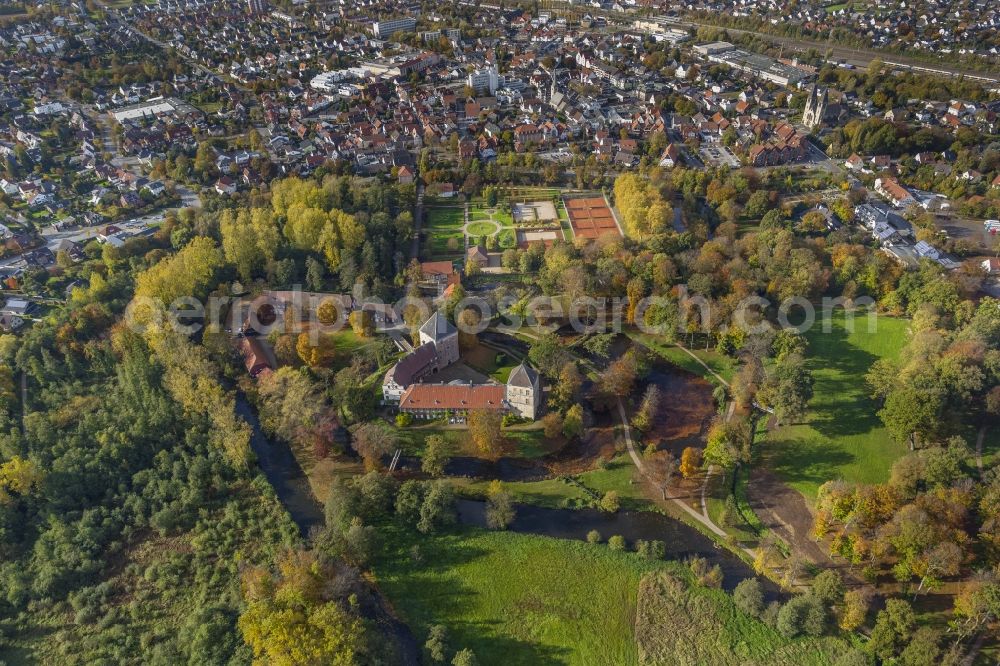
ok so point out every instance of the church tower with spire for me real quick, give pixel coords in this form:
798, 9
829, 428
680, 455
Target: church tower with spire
816, 107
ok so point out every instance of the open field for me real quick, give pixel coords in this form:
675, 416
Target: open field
518, 599
578, 490
843, 437
524, 599
556, 493
620, 476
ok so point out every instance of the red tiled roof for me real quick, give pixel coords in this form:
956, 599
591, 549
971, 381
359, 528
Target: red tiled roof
431, 268
453, 397
254, 356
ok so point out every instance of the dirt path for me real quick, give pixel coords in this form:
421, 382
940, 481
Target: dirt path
702, 364
637, 461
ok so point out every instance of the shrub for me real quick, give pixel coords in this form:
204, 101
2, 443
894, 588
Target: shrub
705, 575
403, 419
770, 614
690, 462
437, 643
510, 420
855, 610
610, 502
617, 542
803, 614
438, 508
853, 657
500, 512
436, 455
359, 543
828, 587
409, 499
321, 448
593, 536
651, 550
377, 492
464, 658
749, 597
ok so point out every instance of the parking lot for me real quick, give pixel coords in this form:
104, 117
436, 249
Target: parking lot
716, 154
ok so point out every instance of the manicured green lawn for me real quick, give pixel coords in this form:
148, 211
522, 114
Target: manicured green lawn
517, 599
528, 443
346, 341
497, 365
505, 219
619, 476
564, 222
724, 366
553, 493
577, 491
482, 228
412, 439
843, 437
442, 225
450, 217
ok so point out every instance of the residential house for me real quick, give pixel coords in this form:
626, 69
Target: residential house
891, 189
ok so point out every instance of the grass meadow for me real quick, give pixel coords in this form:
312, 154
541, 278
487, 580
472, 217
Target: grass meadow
517, 599
525, 599
572, 491
724, 366
842, 436
681, 623
524, 441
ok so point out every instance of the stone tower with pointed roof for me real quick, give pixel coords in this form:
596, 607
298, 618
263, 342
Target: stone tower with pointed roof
437, 350
439, 331
816, 106
524, 391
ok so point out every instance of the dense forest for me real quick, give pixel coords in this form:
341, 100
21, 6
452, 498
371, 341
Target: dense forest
133, 520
